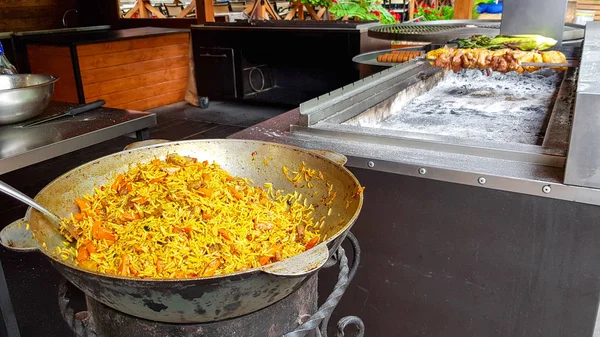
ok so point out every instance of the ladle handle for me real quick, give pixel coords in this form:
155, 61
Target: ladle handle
11, 191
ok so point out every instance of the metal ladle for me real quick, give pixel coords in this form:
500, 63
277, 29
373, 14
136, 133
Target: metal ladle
13, 192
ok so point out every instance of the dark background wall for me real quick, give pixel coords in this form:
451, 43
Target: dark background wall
27, 15
24, 15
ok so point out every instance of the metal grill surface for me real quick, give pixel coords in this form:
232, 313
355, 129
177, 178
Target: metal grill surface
507, 107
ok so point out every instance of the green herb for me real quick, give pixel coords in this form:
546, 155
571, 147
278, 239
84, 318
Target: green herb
475, 41
364, 10
522, 42
146, 228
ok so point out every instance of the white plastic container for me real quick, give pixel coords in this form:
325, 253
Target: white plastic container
583, 16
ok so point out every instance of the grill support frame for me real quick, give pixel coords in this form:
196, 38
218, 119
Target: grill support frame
101, 321
572, 174
583, 162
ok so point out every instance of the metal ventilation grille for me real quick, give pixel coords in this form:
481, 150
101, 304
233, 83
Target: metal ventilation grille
491, 26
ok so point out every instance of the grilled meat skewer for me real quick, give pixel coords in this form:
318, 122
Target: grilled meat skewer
398, 56
501, 60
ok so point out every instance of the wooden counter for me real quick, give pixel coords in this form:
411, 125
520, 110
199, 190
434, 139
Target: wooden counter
139, 69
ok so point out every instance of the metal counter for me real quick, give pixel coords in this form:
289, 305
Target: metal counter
583, 162
546, 169
463, 238
442, 258
520, 168
20, 147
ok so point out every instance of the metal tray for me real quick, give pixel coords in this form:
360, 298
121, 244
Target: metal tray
370, 58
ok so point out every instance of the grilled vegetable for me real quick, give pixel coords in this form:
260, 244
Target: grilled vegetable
524, 42
521, 42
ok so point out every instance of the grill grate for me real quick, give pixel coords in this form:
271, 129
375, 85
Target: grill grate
414, 29
491, 26
448, 30
434, 31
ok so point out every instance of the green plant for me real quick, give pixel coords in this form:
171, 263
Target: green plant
317, 3
428, 13
365, 10
447, 12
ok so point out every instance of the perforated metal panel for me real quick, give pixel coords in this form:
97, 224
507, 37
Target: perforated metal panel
448, 30
413, 29
434, 31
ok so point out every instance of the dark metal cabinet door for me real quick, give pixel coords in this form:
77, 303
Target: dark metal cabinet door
215, 72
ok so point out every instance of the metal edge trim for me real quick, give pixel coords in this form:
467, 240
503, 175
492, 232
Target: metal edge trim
463, 149
373, 96
416, 137
565, 98
63, 31
346, 94
51, 80
318, 29
507, 184
452, 22
77, 74
582, 166
75, 143
235, 80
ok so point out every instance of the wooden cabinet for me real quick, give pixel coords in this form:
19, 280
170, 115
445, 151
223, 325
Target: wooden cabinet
139, 72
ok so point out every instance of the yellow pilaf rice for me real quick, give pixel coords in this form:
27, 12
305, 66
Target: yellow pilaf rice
180, 218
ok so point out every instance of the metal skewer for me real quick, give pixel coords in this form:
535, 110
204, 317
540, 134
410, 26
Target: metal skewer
569, 64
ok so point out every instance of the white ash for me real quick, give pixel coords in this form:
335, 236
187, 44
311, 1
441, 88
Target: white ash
271, 133
502, 107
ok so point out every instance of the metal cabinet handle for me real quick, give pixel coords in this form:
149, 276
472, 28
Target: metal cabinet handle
211, 55
64, 17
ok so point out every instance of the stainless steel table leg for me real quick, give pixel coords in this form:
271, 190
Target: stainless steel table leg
142, 134
8, 314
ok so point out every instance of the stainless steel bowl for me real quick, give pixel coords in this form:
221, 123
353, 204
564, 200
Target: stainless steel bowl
24, 96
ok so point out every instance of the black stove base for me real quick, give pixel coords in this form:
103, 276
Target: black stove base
294, 316
286, 315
